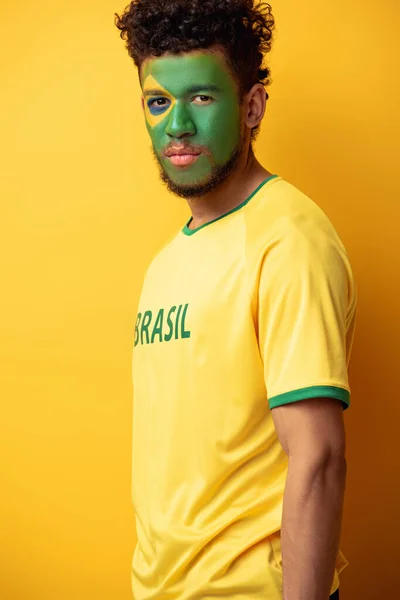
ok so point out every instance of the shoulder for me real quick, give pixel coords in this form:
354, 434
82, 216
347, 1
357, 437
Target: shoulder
284, 218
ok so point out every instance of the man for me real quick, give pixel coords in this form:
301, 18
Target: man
243, 334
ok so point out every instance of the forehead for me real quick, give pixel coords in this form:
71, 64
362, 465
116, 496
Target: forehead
181, 72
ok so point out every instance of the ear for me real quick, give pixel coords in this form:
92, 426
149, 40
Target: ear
255, 106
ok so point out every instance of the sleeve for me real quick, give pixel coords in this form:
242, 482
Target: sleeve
303, 317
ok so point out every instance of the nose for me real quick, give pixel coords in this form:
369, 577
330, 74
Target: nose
180, 122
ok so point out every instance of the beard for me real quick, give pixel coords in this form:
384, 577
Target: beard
217, 176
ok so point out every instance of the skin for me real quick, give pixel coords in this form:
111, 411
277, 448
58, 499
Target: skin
312, 433
211, 119
198, 103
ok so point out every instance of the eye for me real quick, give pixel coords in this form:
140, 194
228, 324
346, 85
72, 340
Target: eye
201, 99
158, 102
158, 105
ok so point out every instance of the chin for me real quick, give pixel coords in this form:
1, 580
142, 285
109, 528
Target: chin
195, 189
201, 187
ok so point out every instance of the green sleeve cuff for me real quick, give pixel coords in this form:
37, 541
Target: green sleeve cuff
317, 391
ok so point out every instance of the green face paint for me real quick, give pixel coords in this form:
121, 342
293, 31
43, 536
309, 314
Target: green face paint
192, 100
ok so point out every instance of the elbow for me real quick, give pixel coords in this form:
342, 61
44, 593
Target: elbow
326, 461
332, 458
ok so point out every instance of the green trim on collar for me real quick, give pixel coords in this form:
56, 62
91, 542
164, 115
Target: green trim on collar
188, 231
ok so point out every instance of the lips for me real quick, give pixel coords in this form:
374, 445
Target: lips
183, 160
181, 156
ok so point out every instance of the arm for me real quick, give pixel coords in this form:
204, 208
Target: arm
306, 304
313, 436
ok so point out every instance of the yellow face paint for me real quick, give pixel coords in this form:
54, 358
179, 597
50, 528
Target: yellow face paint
152, 84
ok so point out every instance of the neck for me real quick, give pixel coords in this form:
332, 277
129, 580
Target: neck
229, 194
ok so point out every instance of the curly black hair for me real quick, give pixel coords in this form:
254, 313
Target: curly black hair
244, 29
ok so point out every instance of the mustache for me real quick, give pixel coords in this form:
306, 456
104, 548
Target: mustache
185, 148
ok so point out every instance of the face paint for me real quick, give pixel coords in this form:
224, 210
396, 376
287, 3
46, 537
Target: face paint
192, 101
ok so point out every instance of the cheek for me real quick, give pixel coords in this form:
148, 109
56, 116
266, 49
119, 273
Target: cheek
221, 129
157, 135
224, 117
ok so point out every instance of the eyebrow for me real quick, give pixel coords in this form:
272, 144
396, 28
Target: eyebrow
192, 90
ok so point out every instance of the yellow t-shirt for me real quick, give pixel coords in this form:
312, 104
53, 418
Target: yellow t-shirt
251, 311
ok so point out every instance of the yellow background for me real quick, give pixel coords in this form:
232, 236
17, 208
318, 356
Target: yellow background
82, 214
